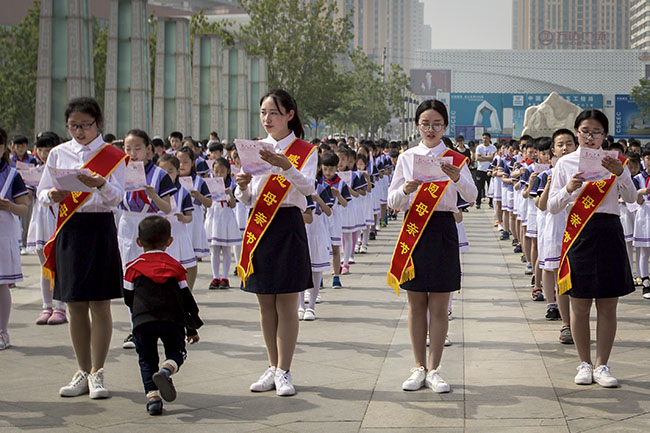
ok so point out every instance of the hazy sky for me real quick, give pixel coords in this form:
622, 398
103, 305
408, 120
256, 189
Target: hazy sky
469, 24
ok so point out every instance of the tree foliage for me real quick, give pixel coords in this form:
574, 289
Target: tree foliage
18, 64
100, 44
641, 95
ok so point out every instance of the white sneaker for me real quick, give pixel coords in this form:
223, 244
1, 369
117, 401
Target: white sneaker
447, 341
363, 249
357, 249
436, 382
265, 382
77, 386
283, 386
301, 313
415, 380
319, 299
309, 315
428, 342
4, 341
96, 386
307, 296
585, 374
604, 378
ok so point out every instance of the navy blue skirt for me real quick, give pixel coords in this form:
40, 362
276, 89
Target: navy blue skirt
281, 262
88, 264
598, 259
436, 257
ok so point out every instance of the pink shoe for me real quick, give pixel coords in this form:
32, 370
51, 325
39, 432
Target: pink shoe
43, 318
58, 318
351, 261
345, 269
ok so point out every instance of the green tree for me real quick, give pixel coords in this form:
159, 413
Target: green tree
100, 43
641, 95
18, 64
301, 42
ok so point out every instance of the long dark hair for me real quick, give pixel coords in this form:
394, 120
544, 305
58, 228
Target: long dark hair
283, 100
190, 153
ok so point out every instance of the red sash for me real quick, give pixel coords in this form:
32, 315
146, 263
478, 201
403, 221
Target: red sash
581, 212
104, 162
266, 207
424, 204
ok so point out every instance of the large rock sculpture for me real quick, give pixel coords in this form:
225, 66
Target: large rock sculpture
552, 114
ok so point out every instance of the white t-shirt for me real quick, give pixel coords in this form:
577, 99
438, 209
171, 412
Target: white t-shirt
484, 150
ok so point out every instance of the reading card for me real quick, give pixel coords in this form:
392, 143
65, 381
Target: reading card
217, 187
187, 183
346, 176
429, 168
591, 163
65, 179
541, 168
249, 155
135, 178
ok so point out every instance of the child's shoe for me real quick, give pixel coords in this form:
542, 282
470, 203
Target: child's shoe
224, 284
4, 341
96, 387
44, 316
214, 284
58, 317
155, 404
336, 282
163, 380
345, 269
310, 315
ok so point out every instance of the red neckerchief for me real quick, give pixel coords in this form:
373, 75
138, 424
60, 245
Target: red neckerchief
336, 180
528, 161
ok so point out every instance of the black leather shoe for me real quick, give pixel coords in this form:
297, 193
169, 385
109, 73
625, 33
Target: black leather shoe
154, 407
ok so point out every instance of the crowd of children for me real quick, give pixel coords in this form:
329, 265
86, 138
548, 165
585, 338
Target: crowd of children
196, 201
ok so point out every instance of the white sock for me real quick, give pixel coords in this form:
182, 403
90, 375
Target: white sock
644, 257
348, 247
364, 238
313, 293
5, 306
227, 260
215, 250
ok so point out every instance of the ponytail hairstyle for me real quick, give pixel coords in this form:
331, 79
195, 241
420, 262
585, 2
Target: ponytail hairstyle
142, 135
189, 152
284, 102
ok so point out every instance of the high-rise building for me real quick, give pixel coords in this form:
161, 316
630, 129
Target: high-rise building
640, 24
394, 28
572, 24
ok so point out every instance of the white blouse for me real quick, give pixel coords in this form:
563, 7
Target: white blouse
74, 155
560, 198
397, 199
302, 180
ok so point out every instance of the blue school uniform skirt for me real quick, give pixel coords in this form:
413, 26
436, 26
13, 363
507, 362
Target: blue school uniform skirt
598, 259
281, 262
436, 257
88, 264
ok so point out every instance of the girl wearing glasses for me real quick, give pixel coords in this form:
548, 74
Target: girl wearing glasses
83, 258
594, 264
435, 257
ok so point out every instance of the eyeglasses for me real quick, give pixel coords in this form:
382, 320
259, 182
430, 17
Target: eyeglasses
432, 127
85, 126
586, 134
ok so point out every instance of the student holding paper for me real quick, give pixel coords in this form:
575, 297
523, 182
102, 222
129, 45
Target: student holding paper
152, 197
82, 258
426, 260
41, 228
221, 226
593, 263
275, 261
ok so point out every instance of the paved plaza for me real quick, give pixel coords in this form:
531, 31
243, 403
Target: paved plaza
507, 370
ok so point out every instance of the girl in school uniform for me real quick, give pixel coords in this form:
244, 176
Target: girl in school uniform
436, 249
552, 232
14, 201
201, 200
318, 238
87, 268
241, 211
180, 218
367, 203
597, 257
222, 228
280, 262
641, 237
628, 212
41, 228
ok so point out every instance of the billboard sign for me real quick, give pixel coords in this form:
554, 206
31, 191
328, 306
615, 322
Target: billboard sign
628, 121
478, 109
428, 82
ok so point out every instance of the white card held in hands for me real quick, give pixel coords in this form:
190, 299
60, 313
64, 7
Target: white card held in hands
65, 179
217, 188
31, 175
135, 177
249, 155
346, 176
429, 168
591, 163
187, 183
541, 168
